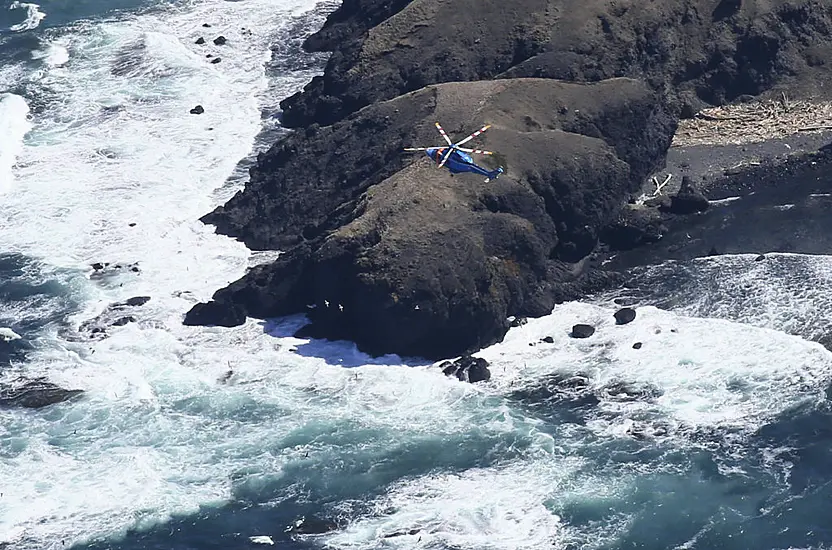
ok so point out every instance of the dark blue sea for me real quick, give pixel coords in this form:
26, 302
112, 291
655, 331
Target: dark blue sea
714, 432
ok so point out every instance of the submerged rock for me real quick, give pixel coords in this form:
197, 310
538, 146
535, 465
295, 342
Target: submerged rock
311, 526
582, 331
467, 369
112, 316
34, 394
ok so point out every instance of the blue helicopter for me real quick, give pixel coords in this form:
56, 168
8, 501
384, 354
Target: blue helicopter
457, 158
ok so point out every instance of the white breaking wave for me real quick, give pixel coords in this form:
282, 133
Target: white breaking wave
700, 373
786, 292
707, 374
33, 16
14, 125
115, 144
8, 334
53, 55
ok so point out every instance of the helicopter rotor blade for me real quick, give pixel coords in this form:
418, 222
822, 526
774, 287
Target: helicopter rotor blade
475, 134
444, 135
475, 151
446, 157
416, 148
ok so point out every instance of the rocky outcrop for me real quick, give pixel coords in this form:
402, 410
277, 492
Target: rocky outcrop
624, 315
694, 49
383, 249
688, 200
33, 394
412, 260
467, 369
117, 314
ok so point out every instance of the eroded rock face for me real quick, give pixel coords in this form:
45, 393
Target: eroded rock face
417, 262
697, 50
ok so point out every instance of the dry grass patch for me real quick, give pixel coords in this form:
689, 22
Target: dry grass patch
753, 122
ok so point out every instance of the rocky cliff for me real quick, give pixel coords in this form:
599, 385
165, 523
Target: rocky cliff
696, 50
384, 249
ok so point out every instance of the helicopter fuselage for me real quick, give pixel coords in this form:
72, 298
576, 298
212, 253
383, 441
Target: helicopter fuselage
458, 162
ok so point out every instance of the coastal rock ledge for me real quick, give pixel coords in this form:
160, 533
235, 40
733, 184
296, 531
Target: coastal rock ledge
381, 248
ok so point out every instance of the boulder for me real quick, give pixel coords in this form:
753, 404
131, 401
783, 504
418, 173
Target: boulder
634, 226
624, 315
215, 314
198, 110
467, 369
582, 331
220, 40
687, 201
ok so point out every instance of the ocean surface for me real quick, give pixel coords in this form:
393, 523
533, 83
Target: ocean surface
715, 433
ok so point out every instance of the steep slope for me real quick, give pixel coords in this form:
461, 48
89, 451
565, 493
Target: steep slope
699, 50
426, 263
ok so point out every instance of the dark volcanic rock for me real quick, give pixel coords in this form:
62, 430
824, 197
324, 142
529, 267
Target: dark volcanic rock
421, 263
517, 321
467, 369
200, 40
582, 331
216, 314
624, 315
694, 49
634, 226
428, 264
311, 526
687, 201
198, 110
350, 21
34, 394
112, 316
220, 40
756, 221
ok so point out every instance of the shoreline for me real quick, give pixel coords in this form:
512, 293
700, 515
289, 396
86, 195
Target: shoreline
781, 205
